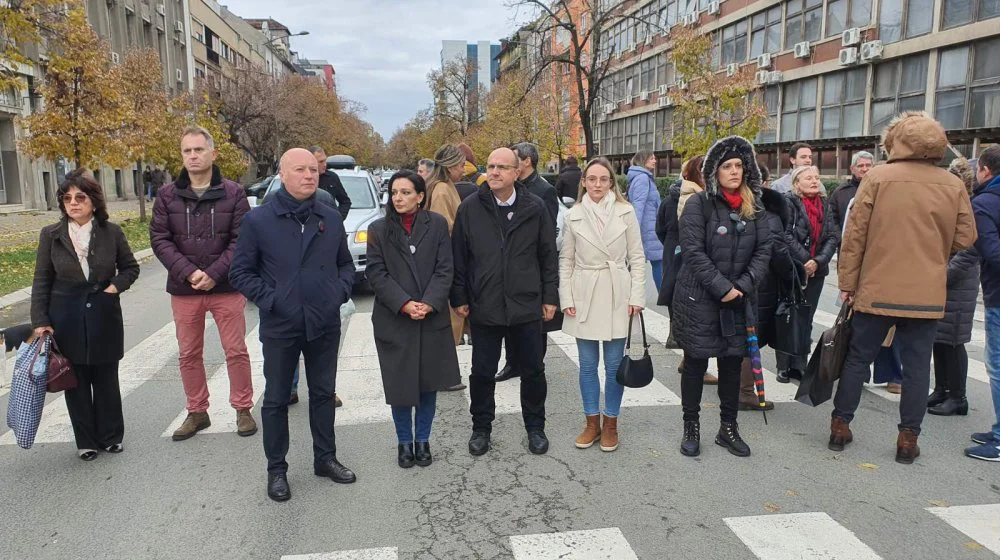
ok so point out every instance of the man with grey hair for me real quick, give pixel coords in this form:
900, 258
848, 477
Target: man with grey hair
425, 167
527, 175
331, 183
861, 163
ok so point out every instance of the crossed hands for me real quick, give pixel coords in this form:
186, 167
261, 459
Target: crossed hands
417, 310
201, 281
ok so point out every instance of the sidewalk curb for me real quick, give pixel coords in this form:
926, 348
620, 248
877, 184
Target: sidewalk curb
24, 294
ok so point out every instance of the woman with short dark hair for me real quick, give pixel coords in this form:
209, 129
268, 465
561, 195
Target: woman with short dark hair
83, 263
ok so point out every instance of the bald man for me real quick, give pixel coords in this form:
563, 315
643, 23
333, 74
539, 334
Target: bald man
292, 261
506, 283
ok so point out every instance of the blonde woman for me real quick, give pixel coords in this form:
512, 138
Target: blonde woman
602, 276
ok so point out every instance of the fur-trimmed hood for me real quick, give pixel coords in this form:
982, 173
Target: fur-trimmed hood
914, 135
713, 160
777, 204
960, 168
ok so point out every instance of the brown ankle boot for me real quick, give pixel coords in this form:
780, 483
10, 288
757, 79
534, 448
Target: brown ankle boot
591, 433
609, 434
194, 423
840, 434
906, 447
245, 425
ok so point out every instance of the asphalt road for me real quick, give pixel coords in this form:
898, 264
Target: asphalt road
205, 497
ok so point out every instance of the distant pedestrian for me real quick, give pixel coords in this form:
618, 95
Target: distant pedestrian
159, 177
861, 164
602, 285
196, 222
410, 269
668, 234
908, 217
330, 182
83, 263
987, 211
799, 155
506, 282
726, 250
292, 261
147, 183
471, 178
425, 168
568, 183
645, 198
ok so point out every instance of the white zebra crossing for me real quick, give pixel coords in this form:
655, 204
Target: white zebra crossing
390, 553
359, 377
799, 536
981, 523
592, 544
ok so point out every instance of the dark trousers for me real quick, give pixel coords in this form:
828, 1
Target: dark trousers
281, 356
814, 288
914, 340
693, 383
512, 350
951, 369
95, 406
526, 350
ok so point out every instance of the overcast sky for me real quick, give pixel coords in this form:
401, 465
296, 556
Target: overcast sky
383, 49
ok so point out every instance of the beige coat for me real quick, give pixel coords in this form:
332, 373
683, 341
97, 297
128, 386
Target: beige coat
443, 199
688, 188
593, 276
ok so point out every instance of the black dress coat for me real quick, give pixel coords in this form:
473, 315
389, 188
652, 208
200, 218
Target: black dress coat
415, 356
87, 322
669, 235
963, 290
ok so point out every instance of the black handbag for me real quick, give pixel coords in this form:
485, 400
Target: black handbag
814, 390
635, 373
792, 320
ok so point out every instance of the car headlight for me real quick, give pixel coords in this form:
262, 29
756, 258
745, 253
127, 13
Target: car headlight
361, 236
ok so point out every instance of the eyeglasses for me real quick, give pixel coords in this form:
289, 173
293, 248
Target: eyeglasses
593, 179
494, 167
741, 225
80, 198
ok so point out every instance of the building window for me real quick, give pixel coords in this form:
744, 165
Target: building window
968, 86
961, 12
798, 111
899, 19
630, 135
843, 14
844, 103
668, 14
766, 33
664, 71
899, 86
646, 125
768, 132
803, 20
734, 42
647, 74
664, 129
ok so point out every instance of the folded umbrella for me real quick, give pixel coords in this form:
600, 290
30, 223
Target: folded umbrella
753, 352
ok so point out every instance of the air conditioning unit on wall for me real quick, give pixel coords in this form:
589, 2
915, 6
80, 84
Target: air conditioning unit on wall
774, 77
802, 50
179, 26
762, 77
714, 8
644, 96
871, 50
662, 90
691, 19
160, 9
115, 58
682, 84
764, 61
664, 102
180, 75
848, 56
732, 69
850, 37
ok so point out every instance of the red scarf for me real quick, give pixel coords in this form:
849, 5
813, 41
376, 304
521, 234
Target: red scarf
814, 210
408, 221
733, 198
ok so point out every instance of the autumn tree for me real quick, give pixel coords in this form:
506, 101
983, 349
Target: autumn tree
456, 98
200, 110
24, 26
144, 98
714, 105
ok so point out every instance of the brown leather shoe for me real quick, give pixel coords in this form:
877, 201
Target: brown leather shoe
711, 379
245, 425
591, 434
906, 447
609, 434
194, 423
840, 434
894, 388
337, 403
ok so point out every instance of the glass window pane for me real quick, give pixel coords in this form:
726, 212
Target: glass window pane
890, 20
953, 67
918, 18
813, 3
741, 48
833, 89
857, 83
814, 23
794, 7
756, 44
793, 31
759, 20
882, 113
808, 93
861, 13
789, 128
985, 106
989, 9
885, 80
774, 14
728, 52
771, 100
773, 43
831, 122
741, 27
807, 125
791, 100
914, 74
987, 61
957, 12
854, 120
951, 109
836, 17
913, 103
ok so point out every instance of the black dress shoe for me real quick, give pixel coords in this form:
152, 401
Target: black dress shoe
423, 453
405, 459
537, 442
115, 448
506, 373
277, 487
479, 443
336, 472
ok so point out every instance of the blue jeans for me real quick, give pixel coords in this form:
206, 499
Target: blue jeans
590, 383
657, 273
993, 362
402, 416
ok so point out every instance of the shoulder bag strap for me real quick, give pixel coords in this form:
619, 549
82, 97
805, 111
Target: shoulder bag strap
642, 325
628, 341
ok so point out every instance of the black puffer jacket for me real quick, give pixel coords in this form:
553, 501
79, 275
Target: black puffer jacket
777, 215
668, 234
963, 290
717, 258
840, 198
801, 235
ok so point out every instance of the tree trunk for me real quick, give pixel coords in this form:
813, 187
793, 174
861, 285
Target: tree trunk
142, 195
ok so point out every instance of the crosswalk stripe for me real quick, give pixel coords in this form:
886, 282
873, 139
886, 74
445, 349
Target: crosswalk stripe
798, 536
981, 523
654, 394
359, 377
573, 545
140, 363
222, 414
388, 553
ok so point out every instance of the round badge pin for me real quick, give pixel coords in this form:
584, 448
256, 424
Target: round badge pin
722, 230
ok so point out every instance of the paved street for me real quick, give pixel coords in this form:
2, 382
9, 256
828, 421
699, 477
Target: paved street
205, 497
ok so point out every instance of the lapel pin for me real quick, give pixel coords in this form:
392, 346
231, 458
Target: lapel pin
413, 250
510, 216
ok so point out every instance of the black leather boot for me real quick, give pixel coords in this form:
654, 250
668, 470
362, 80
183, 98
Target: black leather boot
951, 407
691, 444
422, 453
729, 437
937, 397
405, 458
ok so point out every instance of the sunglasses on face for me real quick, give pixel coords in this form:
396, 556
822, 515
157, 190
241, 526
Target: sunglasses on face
741, 225
80, 198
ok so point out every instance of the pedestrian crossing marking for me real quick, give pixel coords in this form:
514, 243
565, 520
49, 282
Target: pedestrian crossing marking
388, 553
359, 377
981, 523
654, 394
593, 544
799, 536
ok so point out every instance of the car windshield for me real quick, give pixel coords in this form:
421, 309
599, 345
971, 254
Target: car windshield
357, 188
